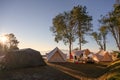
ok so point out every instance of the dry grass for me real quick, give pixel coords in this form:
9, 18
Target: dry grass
64, 71
114, 70
35, 73
86, 70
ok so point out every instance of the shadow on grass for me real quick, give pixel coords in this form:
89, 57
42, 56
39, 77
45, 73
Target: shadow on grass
87, 70
113, 71
35, 73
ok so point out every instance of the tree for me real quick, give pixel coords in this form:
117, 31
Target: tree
82, 23
112, 21
97, 37
100, 37
10, 42
103, 31
63, 29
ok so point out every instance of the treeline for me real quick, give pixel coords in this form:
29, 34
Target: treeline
73, 25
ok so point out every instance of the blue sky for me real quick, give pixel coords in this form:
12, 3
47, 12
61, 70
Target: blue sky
30, 21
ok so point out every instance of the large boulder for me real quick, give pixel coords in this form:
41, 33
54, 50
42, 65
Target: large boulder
21, 58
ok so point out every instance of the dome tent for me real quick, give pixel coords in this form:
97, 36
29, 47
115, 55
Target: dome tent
21, 58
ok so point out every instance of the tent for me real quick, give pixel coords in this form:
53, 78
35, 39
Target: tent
102, 56
21, 58
56, 55
81, 55
84, 52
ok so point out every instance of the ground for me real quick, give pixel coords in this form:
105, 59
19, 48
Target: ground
35, 73
56, 71
81, 71
85, 70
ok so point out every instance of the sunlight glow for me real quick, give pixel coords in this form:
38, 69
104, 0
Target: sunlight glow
95, 59
3, 39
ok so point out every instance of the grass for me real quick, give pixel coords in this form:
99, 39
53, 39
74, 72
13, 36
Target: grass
86, 70
101, 71
65, 71
114, 71
35, 73
115, 76
104, 63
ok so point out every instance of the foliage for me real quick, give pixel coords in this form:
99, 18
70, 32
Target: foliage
70, 25
63, 28
118, 52
11, 42
103, 31
112, 21
97, 37
82, 23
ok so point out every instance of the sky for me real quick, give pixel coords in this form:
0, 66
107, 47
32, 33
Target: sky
30, 21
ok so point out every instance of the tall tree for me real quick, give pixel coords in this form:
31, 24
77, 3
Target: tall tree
97, 37
112, 21
100, 37
82, 23
103, 31
63, 29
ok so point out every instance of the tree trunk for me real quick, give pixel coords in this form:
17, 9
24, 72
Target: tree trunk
104, 43
70, 48
101, 47
104, 46
70, 44
116, 40
79, 35
80, 43
119, 38
112, 30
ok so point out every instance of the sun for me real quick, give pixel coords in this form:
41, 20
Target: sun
3, 39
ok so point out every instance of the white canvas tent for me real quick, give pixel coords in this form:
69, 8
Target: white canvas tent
56, 55
79, 52
102, 56
81, 55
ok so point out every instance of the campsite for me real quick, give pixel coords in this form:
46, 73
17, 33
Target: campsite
54, 67
59, 39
